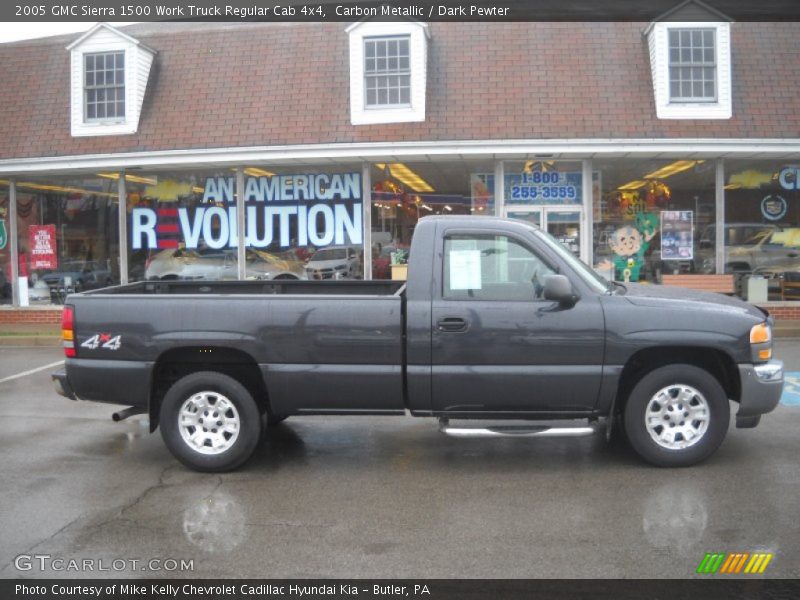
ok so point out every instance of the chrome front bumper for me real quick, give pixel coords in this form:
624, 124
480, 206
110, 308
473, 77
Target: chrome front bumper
762, 386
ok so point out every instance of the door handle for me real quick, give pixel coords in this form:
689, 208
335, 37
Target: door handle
451, 324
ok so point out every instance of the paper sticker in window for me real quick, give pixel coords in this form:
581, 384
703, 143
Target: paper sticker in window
465, 269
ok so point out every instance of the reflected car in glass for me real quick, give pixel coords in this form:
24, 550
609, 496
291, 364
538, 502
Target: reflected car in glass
748, 246
77, 276
335, 262
212, 264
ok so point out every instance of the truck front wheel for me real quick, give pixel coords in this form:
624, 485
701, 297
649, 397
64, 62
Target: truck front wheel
210, 422
676, 416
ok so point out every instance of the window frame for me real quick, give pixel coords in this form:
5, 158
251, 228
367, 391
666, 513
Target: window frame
448, 235
121, 88
396, 73
679, 65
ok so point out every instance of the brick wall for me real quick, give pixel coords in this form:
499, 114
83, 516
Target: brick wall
30, 315
784, 311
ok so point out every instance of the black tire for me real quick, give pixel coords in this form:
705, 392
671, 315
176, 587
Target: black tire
718, 415
249, 418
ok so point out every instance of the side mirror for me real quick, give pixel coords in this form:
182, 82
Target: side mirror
557, 288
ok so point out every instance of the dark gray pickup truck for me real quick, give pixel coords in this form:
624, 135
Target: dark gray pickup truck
497, 321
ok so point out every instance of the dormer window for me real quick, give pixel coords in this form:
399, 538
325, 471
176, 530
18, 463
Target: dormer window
692, 65
104, 86
388, 71
690, 62
109, 72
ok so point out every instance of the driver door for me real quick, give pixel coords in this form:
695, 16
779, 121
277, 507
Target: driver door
497, 345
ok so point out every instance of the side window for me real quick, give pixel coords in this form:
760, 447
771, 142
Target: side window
492, 267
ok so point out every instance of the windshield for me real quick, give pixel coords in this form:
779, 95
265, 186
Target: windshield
330, 254
592, 279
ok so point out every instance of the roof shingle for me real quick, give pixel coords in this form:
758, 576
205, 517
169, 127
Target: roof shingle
259, 84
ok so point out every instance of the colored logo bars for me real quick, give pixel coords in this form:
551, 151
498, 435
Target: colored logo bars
734, 562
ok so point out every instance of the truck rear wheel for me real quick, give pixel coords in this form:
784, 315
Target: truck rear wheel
210, 422
676, 416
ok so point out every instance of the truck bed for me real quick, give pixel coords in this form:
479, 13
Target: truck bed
320, 346
305, 288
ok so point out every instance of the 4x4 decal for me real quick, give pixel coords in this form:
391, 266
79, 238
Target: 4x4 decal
103, 340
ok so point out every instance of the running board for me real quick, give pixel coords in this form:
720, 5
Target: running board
515, 430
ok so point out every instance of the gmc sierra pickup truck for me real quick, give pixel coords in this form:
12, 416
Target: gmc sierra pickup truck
496, 322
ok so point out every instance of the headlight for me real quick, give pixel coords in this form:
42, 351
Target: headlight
760, 334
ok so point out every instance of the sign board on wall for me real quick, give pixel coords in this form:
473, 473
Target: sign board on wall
676, 235
42, 244
544, 187
318, 209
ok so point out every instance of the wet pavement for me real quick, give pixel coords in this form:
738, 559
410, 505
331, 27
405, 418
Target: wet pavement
381, 497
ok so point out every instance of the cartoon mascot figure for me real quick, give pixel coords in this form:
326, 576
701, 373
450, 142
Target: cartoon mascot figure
629, 244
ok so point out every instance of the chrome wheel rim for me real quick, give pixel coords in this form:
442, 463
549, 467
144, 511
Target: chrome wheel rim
209, 423
677, 416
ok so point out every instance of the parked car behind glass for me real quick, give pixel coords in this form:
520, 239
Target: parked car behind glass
335, 262
748, 247
211, 264
77, 276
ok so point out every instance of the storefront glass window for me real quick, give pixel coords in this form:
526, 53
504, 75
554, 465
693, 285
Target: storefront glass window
308, 217
652, 217
403, 193
762, 226
68, 237
6, 270
173, 233
548, 194
183, 225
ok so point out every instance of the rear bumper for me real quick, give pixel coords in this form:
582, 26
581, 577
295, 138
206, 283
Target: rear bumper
61, 383
111, 381
762, 386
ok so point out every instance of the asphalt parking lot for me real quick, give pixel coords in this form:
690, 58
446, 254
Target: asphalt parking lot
381, 497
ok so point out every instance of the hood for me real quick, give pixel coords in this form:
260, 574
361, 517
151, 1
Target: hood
662, 296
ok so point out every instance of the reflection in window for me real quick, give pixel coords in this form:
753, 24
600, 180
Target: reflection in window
650, 217
6, 271
183, 224
404, 193
762, 237
68, 237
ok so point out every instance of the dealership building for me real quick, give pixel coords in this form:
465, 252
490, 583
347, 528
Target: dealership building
311, 150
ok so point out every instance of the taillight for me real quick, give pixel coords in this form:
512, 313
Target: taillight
68, 331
